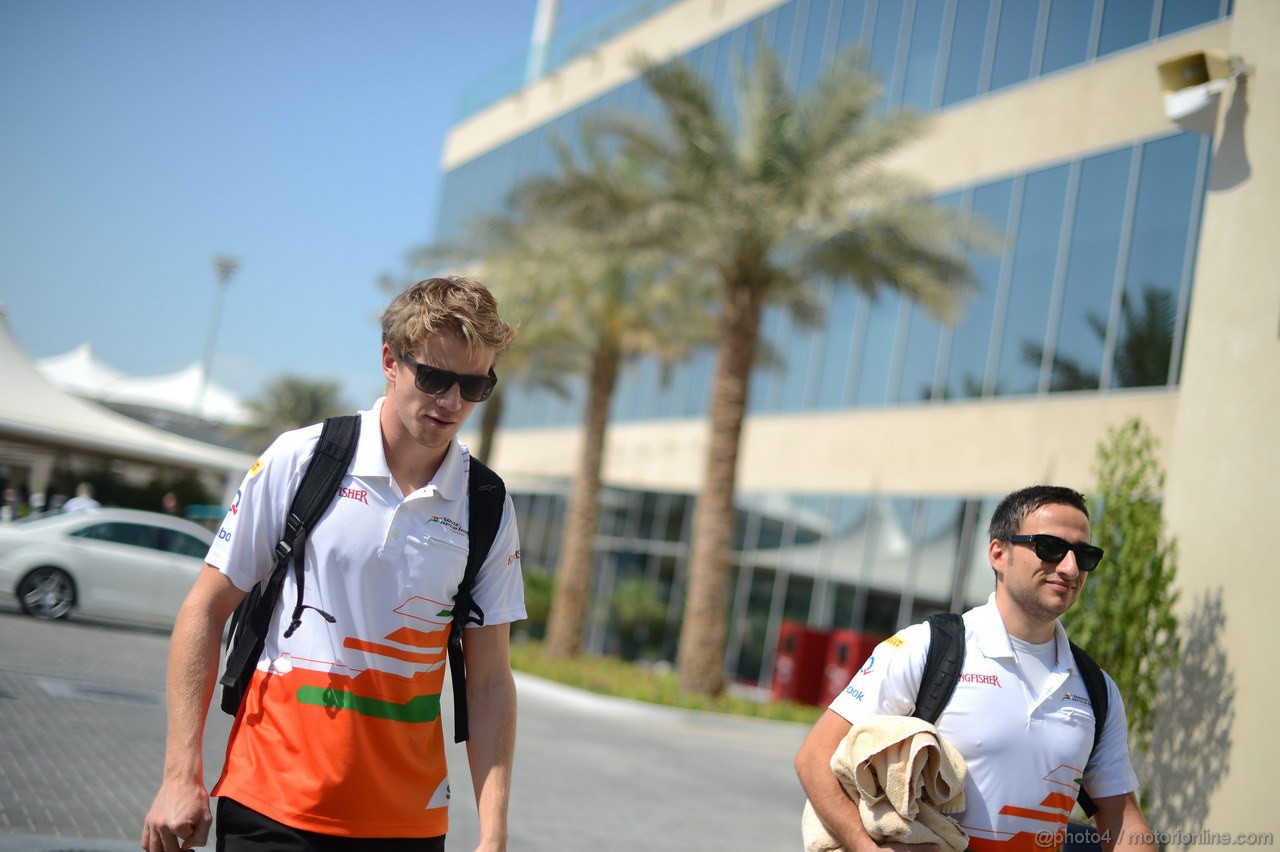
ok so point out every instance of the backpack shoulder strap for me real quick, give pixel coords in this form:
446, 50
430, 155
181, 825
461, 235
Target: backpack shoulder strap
1095, 683
941, 666
316, 490
486, 497
319, 487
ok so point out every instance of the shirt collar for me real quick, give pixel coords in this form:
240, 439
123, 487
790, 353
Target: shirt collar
993, 637
371, 457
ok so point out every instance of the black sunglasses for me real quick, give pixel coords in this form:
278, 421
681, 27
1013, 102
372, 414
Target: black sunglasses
434, 381
1052, 549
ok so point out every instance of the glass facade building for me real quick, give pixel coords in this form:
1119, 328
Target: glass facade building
1087, 294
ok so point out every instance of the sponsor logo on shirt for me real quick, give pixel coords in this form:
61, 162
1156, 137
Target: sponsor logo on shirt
354, 494
235, 504
855, 694
256, 468
990, 680
513, 557
894, 642
867, 666
1078, 699
447, 523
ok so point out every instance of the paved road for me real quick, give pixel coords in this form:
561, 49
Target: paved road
82, 740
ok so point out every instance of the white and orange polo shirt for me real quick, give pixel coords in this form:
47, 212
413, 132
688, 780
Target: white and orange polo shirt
340, 730
1027, 754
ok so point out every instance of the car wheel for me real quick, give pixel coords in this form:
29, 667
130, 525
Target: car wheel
47, 593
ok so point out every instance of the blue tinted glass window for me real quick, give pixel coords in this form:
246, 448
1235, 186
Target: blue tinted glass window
792, 395
1124, 24
1067, 36
727, 59
968, 46
886, 34
1091, 271
852, 15
1035, 257
1167, 189
920, 357
924, 334
766, 368
922, 55
971, 335
784, 28
812, 51
835, 345
1177, 15
701, 60
876, 362
1015, 43
701, 370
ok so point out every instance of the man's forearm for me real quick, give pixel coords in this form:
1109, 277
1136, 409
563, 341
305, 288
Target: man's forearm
192, 672
838, 813
491, 752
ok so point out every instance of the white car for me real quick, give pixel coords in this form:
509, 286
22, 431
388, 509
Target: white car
109, 563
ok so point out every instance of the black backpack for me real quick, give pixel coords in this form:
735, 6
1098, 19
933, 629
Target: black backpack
319, 485
942, 673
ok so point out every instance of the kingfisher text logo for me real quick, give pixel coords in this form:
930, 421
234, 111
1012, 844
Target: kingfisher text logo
513, 557
990, 680
354, 494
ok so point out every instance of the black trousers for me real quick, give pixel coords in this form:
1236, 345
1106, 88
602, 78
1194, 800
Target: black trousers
242, 829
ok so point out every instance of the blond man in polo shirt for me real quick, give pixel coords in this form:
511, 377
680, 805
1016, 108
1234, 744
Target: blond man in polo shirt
338, 743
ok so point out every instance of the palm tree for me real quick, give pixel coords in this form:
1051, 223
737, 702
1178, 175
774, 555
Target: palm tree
290, 402
765, 201
591, 296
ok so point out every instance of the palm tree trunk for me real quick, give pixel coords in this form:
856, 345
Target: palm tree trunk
700, 659
490, 417
577, 555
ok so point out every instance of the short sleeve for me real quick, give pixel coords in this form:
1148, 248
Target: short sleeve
889, 680
499, 589
1109, 771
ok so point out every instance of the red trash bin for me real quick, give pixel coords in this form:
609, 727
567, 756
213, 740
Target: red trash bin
797, 667
846, 652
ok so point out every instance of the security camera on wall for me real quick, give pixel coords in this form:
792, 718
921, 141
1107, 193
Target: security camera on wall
1193, 84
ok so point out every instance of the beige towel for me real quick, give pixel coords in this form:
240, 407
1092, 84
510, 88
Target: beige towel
905, 779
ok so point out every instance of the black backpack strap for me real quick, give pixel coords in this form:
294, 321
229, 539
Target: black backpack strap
486, 496
1095, 683
251, 620
941, 666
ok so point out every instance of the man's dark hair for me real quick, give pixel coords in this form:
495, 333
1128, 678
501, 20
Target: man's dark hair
1014, 508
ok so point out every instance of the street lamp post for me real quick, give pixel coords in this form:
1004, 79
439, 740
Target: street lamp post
224, 267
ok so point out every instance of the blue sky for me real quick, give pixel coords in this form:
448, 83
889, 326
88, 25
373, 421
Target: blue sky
141, 138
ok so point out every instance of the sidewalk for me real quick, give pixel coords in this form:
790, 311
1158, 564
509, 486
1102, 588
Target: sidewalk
81, 750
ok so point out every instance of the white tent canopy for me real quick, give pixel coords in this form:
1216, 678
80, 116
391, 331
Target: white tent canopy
81, 372
32, 410
78, 371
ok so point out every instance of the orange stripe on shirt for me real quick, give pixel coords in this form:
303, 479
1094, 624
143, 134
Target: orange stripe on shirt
393, 652
417, 638
1058, 800
1023, 841
1028, 813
